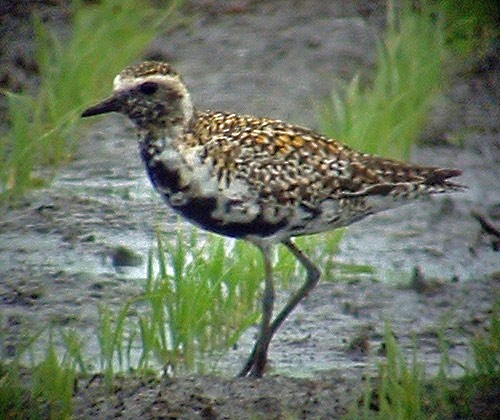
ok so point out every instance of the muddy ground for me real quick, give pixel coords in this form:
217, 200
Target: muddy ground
277, 59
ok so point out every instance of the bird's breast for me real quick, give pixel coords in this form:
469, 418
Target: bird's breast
194, 187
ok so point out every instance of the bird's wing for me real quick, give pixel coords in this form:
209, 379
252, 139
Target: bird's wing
287, 164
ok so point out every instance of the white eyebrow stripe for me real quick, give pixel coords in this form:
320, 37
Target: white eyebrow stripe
121, 83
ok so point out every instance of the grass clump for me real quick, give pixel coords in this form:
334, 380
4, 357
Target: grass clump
402, 390
111, 339
16, 401
54, 383
400, 387
42, 391
386, 117
477, 394
200, 300
197, 300
486, 349
106, 36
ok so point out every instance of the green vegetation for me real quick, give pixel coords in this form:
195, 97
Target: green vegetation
45, 390
193, 304
387, 116
203, 304
54, 383
398, 394
196, 302
106, 36
470, 26
15, 398
480, 382
402, 390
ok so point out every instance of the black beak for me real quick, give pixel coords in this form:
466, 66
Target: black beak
111, 104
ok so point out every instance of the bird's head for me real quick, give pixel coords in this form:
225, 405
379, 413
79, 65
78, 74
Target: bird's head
151, 94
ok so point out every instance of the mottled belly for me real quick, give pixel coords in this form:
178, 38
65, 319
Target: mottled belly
206, 213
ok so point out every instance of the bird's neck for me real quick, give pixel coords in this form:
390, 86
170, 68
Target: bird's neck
164, 135
164, 161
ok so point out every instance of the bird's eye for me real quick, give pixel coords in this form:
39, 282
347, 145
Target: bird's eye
148, 88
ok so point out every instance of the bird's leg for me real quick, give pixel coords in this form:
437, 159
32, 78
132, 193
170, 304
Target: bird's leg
256, 363
312, 279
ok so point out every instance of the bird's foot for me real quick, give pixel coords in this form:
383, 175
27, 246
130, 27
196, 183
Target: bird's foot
256, 363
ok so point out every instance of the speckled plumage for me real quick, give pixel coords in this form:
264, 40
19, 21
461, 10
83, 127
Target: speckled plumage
258, 179
308, 181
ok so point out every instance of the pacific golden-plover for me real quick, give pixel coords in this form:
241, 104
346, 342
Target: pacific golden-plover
257, 179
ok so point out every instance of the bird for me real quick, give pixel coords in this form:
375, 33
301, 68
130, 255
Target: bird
258, 179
